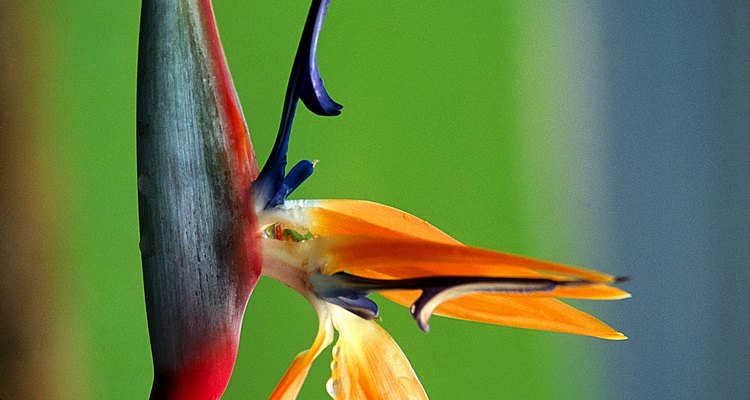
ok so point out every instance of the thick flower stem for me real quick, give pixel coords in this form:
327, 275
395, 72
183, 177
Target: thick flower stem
198, 230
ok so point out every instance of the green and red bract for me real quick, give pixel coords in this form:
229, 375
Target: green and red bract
199, 239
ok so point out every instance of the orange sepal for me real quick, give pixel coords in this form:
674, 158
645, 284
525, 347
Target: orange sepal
520, 311
595, 291
368, 364
291, 383
359, 217
410, 257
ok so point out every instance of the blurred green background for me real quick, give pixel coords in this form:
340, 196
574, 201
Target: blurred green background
524, 127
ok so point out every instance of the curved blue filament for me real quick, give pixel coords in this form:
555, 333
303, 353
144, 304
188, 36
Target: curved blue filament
341, 285
306, 84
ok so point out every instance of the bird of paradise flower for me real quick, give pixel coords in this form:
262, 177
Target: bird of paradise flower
335, 253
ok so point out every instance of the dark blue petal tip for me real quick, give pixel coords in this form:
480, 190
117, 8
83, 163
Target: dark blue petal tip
360, 306
312, 92
305, 83
298, 174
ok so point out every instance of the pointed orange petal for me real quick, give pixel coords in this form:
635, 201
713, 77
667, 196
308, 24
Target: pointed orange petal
291, 383
409, 257
596, 291
519, 311
357, 217
368, 364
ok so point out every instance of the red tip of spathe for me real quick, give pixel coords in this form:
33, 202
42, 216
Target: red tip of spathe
247, 164
204, 378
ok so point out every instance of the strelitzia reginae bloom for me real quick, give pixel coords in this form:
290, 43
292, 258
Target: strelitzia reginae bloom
212, 223
337, 252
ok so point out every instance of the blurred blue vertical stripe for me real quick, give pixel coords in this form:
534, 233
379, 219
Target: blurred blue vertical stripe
677, 121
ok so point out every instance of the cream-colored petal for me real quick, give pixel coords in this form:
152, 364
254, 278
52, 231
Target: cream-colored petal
368, 364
